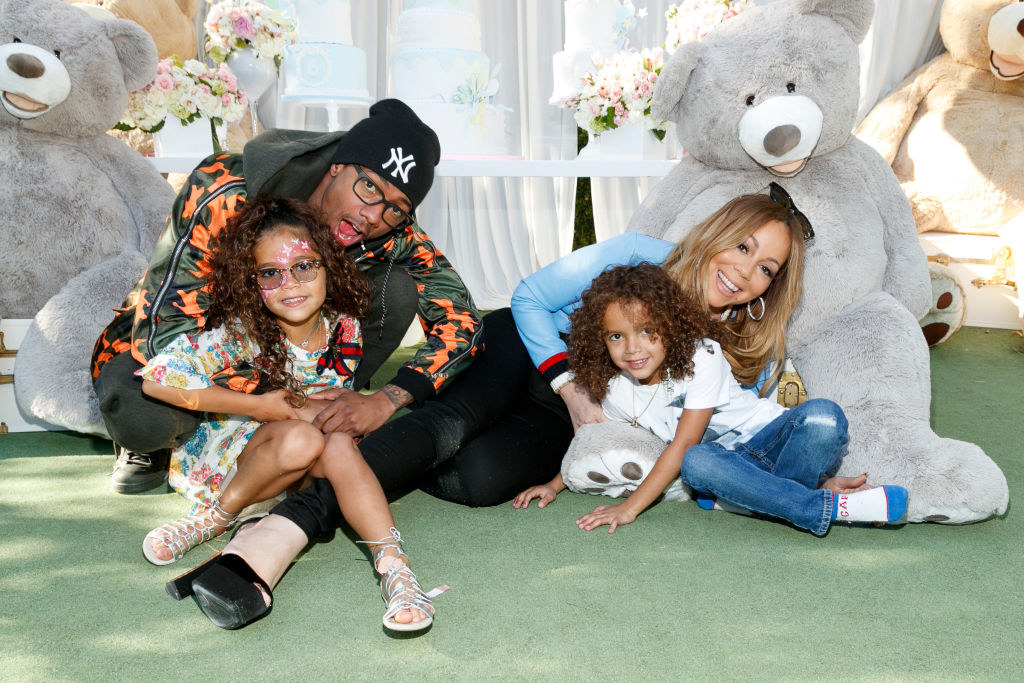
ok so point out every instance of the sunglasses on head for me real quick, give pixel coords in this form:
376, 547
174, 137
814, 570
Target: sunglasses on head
782, 198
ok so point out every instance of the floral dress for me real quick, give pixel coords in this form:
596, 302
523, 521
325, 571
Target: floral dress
201, 467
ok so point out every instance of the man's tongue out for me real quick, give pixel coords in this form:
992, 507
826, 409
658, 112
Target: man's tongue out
346, 233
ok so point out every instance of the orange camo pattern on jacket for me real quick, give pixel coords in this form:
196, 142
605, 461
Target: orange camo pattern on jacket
172, 297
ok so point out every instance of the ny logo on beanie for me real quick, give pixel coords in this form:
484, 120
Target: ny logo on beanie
403, 164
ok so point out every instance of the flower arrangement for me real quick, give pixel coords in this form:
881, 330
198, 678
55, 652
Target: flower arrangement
236, 24
693, 19
187, 90
619, 92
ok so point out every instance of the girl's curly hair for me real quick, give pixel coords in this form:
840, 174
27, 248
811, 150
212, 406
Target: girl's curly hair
235, 297
654, 301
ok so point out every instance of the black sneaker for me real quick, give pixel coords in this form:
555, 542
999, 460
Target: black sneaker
139, 472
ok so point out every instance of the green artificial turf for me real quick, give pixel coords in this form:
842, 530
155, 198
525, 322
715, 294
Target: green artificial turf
680, 594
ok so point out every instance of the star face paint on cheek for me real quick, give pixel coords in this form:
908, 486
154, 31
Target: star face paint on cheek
265, 293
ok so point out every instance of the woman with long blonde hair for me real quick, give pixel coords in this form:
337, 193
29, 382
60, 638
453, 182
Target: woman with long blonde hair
743, 265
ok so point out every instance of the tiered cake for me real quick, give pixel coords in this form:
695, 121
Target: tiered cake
589, 31
324, 64
439, 70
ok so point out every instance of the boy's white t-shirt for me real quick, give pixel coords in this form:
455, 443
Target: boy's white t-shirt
739, 413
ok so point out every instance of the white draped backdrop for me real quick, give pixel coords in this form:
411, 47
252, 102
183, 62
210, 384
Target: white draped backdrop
497, 230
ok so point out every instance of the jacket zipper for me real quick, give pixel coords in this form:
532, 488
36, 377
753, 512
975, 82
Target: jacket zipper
172, 267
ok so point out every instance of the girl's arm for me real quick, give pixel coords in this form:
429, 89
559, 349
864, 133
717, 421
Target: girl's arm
267, 407
689, 432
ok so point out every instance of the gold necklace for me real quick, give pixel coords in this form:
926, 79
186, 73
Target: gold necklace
633, 422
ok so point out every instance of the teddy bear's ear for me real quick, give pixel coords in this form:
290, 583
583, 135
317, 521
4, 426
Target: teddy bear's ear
668, 92
853, 15
135, 50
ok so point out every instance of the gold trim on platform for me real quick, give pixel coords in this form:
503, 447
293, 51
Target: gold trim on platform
4, 351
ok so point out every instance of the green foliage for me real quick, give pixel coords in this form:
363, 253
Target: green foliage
583, 229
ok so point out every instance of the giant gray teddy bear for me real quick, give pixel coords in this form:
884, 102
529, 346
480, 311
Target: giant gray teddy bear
772, 95
81, 210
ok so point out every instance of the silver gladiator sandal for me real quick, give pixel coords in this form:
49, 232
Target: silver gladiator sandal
398, 585
186, 533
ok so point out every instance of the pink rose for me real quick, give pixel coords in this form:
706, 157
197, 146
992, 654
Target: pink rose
243, 28
163, 82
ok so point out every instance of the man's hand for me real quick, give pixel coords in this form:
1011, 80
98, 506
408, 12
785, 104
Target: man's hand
357, 414
612, 515
582, 408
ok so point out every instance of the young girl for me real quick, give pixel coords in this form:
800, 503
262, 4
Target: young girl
284, 302
639, 345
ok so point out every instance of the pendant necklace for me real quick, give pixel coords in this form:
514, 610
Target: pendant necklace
637, 416
315, 328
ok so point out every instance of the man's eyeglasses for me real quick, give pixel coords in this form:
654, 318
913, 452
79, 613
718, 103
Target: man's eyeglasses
394, 216
272, 278
781, 197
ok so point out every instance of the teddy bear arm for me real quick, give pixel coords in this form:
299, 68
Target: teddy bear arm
148, 197
886, 125
906, 270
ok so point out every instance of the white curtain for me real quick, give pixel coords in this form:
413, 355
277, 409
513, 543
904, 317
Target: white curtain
497, 230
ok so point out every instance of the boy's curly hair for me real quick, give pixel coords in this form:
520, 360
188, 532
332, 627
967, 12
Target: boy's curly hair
652, 299
236, 302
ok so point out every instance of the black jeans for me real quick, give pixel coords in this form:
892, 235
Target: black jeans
144, 425
496, 430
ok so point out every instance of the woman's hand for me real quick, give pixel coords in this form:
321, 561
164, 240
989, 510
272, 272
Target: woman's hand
612, 515
582, 408
846, 484
543, 493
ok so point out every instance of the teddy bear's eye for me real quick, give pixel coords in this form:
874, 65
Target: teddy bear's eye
791, 87
750, 100
16, 39
57, 53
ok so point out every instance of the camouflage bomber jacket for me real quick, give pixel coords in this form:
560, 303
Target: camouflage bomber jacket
173, 295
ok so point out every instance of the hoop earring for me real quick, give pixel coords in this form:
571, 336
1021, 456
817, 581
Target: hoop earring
763, 309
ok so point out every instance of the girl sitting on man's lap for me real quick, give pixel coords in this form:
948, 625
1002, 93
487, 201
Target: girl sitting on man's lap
285, 301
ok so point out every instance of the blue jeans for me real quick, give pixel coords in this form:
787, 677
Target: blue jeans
777, 471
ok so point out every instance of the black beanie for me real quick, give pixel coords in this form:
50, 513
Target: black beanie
395, 144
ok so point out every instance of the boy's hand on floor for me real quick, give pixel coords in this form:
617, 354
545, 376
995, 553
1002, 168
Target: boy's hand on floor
612, 515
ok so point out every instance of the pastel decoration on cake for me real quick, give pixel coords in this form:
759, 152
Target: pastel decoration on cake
590, 35
323, 68
439, 69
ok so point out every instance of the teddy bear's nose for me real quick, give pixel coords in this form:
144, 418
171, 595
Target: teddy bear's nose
25, 65
781, 139
1020, 27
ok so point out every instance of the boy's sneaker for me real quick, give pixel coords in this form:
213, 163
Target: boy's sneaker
139, 472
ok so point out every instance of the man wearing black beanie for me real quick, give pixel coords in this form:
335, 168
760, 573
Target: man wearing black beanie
366, 183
